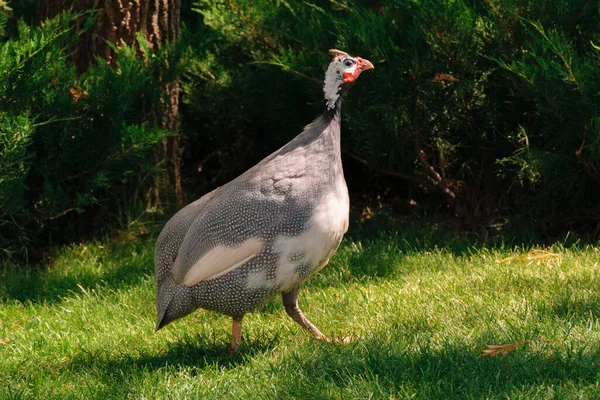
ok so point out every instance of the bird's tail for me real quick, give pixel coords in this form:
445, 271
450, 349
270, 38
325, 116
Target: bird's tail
164, 297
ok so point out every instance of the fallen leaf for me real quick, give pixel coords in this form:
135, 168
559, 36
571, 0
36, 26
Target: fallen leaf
493, 350
538, 256
4, 340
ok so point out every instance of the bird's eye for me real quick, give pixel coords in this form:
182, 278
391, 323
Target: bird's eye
348, 63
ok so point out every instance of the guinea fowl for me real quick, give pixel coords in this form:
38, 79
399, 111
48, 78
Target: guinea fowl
266, 231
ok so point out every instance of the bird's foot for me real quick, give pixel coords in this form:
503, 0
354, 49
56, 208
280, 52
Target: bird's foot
344, 340
232, 348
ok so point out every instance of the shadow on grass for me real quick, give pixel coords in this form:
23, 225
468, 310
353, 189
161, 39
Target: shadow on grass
109, 266
398, 370
580, 310
582, 307
387, 369
196, 354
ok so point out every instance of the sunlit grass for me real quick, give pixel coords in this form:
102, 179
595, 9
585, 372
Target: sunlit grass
420, 307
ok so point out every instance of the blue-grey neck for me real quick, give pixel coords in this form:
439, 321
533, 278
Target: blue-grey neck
330, 137
332, 119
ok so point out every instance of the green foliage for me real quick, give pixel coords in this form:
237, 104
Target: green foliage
501, 97
494, 102
71, 143
5, 12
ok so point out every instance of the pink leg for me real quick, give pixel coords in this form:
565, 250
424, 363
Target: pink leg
236, 335
290, 301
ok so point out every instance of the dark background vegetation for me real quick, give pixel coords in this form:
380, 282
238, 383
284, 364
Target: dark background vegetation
484, 113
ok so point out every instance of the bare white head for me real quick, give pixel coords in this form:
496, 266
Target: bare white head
342, 72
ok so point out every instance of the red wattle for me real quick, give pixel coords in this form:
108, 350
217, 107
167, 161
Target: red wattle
350, 76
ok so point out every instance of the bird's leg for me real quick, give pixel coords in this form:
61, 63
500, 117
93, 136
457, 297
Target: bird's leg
236, 335
290, 301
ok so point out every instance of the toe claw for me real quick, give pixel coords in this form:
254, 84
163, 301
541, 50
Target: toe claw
231, 349
344, 340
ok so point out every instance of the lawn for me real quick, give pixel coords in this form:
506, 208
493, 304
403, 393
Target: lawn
421, 305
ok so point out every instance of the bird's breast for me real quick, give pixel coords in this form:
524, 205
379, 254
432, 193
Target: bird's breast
302, 255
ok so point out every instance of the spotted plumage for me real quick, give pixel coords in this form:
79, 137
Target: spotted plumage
266, 231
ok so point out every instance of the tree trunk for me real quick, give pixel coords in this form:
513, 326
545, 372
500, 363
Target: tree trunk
118, 22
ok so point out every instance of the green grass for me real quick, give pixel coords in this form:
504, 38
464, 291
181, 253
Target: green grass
420, 304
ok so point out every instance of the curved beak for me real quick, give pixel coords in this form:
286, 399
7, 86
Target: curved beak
363, 64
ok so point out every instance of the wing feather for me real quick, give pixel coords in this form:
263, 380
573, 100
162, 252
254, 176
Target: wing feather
218, 261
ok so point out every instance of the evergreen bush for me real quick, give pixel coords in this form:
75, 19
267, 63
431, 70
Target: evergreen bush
486, 108
68, 143
490, 107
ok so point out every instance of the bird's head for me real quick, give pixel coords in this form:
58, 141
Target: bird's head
341, 74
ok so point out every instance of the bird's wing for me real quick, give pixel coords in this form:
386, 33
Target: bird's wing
219, 261
224, 236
